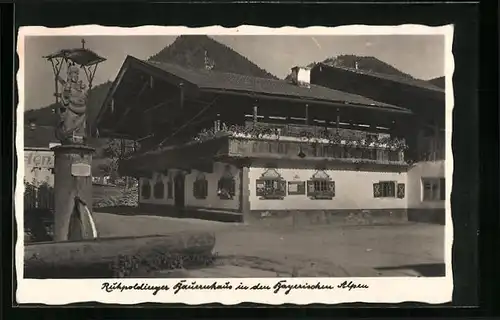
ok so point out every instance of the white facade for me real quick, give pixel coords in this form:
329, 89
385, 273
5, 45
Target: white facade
212, 200
416, 174
353, 190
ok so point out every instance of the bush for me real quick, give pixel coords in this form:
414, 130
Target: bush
119, 257
124, 198
121, 267
38, 225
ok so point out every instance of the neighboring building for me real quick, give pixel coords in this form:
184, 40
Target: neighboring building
38, 158
39, 166
425, 136
243, 148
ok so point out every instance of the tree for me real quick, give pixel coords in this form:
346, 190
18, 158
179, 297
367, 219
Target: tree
116, 150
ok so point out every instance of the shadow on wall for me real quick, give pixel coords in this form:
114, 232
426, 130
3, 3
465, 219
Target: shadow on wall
425, 270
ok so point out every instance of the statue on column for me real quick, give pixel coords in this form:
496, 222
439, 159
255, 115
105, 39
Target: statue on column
72, 125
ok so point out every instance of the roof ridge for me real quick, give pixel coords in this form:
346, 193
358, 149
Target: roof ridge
214, 71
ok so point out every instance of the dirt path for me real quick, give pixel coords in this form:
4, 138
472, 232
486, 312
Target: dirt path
308, 251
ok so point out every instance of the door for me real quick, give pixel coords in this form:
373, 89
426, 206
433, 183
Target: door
179, 190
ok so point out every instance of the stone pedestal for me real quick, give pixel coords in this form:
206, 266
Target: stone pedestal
72, 178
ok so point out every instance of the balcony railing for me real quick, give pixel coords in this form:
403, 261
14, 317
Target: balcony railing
262, 141
301, 149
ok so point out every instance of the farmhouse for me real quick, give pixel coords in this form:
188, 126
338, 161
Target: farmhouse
212, 144
426, 99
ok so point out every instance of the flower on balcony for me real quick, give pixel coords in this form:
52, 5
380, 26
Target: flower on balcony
346, 140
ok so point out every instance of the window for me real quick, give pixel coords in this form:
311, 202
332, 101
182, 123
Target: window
226, 186
384, 189
433, 189
296, 187
146, 190
320, 186
200, 187
159, 188
271, 185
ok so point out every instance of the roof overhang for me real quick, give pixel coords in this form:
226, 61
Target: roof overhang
337, 104
134, 63
421, 86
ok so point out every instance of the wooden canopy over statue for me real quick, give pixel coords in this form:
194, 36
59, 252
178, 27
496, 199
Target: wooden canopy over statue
72, 93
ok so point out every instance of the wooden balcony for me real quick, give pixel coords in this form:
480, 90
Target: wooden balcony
200, 151
257, 148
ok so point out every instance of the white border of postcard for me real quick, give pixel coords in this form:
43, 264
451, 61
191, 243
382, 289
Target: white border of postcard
380, 290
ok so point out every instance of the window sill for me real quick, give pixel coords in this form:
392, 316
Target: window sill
321, 197
274, 197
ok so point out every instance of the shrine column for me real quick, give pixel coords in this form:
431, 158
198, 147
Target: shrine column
72, 179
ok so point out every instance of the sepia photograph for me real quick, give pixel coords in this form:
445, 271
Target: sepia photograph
197, 156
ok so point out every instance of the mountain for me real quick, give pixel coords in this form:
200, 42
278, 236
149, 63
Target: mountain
370, 64
191, 51
194, 51
188, 51
46, 117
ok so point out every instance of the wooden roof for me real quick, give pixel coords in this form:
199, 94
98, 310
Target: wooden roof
223, 81
80, 56
235, 84
421, 84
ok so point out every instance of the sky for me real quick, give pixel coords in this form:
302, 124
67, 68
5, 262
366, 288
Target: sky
421, 56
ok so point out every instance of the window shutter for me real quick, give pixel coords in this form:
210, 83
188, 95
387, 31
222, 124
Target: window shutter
376, 190
442, 189
232, 188
260, 187
146, 190
401, 190
205, 185
195, 189
332, 188
392, 189
301, 188
282, 187
310, 188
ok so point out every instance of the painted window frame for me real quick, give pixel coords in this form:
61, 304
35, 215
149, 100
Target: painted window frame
321, 186
381, 190
274, 186
438, 191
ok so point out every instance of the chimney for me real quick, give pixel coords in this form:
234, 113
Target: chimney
301, 76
